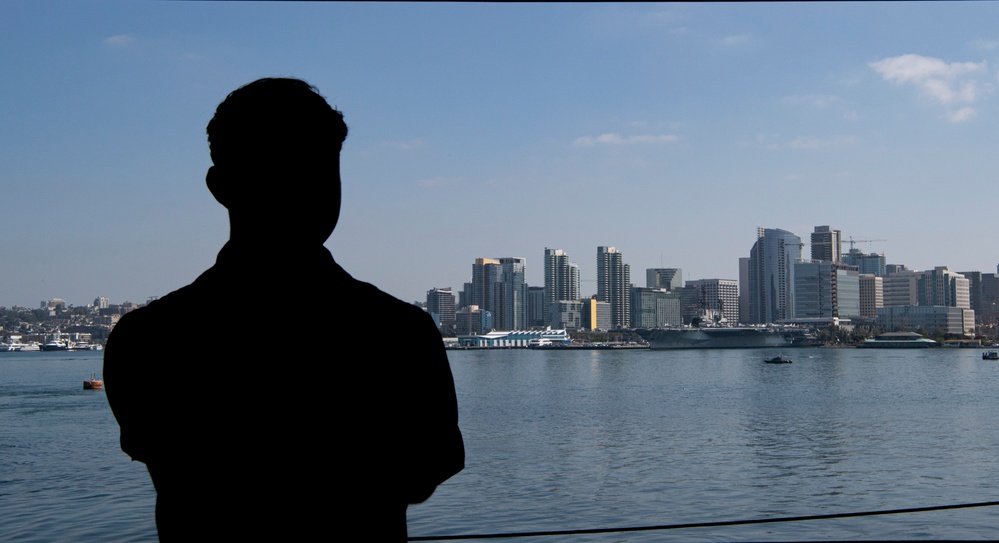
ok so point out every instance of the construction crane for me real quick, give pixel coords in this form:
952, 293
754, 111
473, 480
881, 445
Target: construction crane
851, 241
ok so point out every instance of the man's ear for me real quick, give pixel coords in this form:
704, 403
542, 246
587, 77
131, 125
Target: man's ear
220, 184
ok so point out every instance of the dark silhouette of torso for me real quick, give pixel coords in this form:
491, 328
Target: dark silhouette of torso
278, 397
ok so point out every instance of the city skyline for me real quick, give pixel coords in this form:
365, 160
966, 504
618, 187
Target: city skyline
670, 131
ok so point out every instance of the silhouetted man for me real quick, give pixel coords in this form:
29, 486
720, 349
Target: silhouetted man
276, 397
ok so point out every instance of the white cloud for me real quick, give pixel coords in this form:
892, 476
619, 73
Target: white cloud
962, 115
945, 82
614, 138
985, 45
121, 40
950, 84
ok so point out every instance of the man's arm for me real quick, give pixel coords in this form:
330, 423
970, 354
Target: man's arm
434, 441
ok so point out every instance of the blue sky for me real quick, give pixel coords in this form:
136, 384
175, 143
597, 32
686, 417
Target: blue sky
671, 131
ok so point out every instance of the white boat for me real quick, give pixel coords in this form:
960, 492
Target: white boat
29, 346
15, 345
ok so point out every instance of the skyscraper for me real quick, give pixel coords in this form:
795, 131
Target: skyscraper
613, 285
561, 281
511, 294
771, 275
827, 244
485, 275
440, 305
825, 290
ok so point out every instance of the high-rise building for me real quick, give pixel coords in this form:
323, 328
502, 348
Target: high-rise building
535, 306
744, 290
613, 285
901, 287
871, 295
561, 281
712, 297
511, 294
941, 286
655, 308
771, 275
485, 275
667, 278
440, 305
873, 263
825, 290
827, 244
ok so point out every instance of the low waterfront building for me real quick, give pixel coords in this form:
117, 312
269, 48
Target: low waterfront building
513, 339
568, 314
596, 315
473, 320
933, 319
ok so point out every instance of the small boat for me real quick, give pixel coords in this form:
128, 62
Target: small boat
779, 359
990, 355
93, 383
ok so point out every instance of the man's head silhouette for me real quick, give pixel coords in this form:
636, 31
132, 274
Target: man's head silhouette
275, 145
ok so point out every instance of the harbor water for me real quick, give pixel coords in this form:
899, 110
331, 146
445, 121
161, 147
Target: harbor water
564, 440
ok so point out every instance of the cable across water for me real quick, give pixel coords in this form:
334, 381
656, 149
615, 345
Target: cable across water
662, 527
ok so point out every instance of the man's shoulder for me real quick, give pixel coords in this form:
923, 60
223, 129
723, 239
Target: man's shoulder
158, 314
377, 298
375, 305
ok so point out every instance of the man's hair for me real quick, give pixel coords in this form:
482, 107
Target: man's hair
271, 120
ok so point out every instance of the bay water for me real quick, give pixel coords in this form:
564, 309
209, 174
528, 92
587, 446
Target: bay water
563, 440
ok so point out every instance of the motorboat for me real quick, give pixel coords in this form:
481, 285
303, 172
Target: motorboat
779, 359
990, 355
